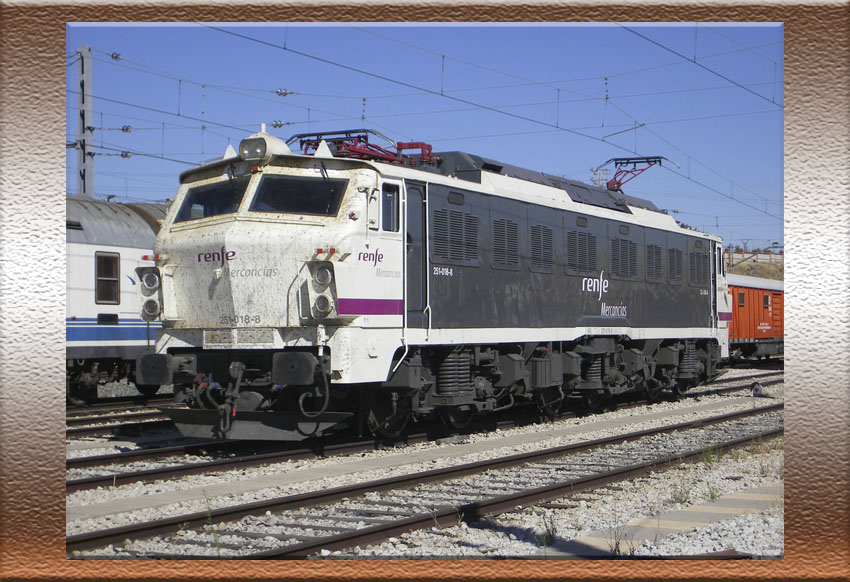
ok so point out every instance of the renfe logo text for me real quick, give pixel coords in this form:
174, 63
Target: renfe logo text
217, 256
594, 285
374, 257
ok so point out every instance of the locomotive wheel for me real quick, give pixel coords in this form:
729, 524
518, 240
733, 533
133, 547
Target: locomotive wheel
457, 417
147, 390
676, 390
79, 394
549, 401
385, 420
652, 393
594, 400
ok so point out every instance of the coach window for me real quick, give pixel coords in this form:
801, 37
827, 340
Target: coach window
389, 208
766, 301
741, 299
107, 278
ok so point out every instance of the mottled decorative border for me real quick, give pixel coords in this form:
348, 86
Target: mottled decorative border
32, 275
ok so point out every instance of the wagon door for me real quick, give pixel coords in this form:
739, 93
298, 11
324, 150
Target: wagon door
776, 302
417, 292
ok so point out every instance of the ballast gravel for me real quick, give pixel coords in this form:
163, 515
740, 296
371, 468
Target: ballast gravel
521, 533
97, 496
532, 531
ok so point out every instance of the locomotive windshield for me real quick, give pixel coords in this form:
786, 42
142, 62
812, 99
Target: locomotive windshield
213, 199
299, 195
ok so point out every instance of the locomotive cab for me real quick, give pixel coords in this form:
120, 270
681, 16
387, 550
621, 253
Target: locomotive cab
264, 262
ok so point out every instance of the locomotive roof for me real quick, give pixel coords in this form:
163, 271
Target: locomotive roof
465, 166
755, 282
91, 221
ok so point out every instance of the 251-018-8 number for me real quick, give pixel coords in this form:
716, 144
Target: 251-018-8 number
444, 271
236, 319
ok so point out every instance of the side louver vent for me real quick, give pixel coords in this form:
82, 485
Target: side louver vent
455, 237
542, 248
505, 244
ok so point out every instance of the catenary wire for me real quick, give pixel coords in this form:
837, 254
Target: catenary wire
713, 72
485, 107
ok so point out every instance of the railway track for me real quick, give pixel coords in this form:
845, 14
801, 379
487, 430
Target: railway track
195, 468
118, 403
299, 526
132, 415
156, 421
252, 459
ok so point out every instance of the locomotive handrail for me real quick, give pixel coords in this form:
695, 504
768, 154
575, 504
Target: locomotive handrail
344, 133
404, 278
427, 274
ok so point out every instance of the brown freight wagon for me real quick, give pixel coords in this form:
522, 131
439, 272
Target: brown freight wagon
757, 327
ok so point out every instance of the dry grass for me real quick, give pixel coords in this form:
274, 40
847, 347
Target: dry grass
763, 270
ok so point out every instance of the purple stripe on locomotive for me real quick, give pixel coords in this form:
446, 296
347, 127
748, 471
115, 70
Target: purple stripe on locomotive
370, 306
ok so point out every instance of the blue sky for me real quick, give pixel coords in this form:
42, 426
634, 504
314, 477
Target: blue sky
556, 98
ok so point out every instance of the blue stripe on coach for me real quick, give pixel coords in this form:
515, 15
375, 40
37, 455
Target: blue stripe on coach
88, 330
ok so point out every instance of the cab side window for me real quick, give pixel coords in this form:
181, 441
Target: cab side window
389, 208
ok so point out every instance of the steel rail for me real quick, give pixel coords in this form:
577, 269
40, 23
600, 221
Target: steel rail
114, 428
134, 415
118, 403
170, 525
480, 509
744, 378
253, 460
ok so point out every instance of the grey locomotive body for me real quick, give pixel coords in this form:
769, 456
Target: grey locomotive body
438, 285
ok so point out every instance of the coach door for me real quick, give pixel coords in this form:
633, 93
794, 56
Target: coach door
417, 293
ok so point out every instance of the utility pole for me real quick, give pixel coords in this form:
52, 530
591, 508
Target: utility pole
85, 128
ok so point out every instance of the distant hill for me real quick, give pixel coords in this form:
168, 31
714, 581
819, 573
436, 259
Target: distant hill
763, 270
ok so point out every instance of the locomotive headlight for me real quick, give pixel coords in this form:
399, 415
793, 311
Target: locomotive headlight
252, 148
323, 305
260, 147
150, 309
150, 281
323, 276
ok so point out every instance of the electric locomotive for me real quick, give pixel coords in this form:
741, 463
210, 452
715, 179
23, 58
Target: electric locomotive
350, 285
105, 242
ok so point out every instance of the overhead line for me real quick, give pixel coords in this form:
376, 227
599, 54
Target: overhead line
222, 88
694, 61
493, 109
591, 98
738, 200
550, 84
744, 47
205, 121
410, 85
485, 68
694, 159
229, 89
146, 155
